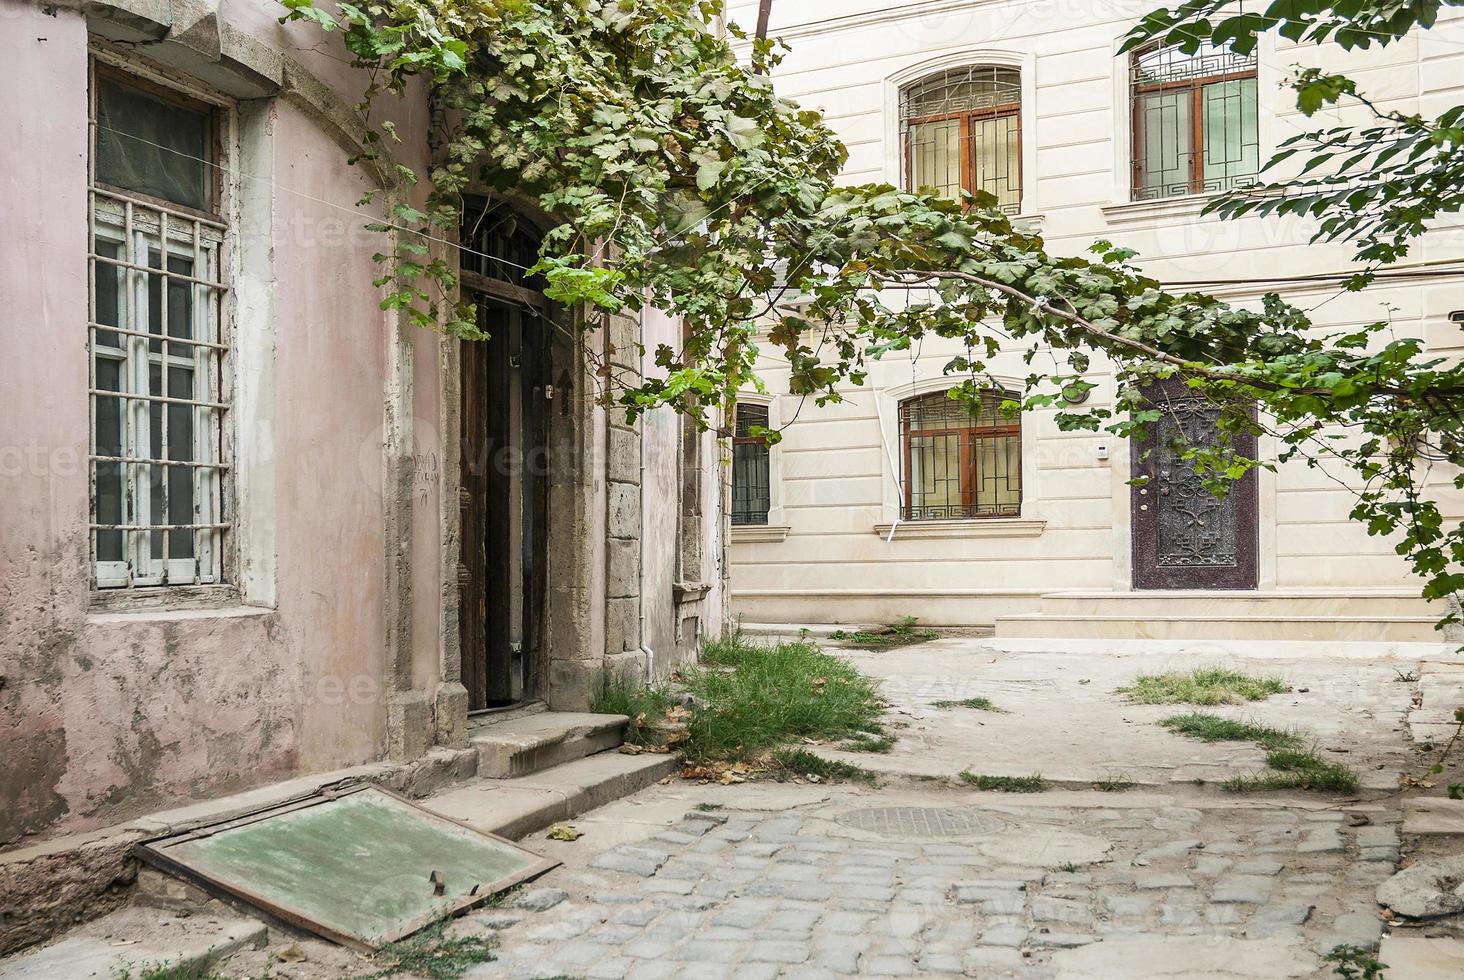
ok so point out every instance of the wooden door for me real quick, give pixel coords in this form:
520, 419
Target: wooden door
1183, 536
484, 569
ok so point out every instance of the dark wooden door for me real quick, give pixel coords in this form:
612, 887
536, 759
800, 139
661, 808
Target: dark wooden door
504, 504
485, 594
1183, 536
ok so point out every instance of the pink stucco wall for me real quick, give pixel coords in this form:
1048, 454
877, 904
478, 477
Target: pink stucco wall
103, 716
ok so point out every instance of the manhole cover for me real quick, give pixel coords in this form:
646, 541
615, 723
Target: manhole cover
921, 821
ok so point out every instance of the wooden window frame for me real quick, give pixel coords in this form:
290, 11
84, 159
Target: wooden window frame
966, 117
1196, 87
969, 472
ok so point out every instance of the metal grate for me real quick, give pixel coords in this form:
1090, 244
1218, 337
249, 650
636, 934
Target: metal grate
751, 483
915, 822
158, 385
1194, 121
961, 130
961, 460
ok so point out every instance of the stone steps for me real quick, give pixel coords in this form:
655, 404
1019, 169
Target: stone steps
137, 938
1277, 614
525, 745
516, 807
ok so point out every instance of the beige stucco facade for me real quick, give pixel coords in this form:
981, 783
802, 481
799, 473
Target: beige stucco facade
833, 549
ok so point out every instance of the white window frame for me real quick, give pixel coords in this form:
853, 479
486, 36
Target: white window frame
139, 224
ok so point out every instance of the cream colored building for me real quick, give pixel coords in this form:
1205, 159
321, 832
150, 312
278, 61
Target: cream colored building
886, 505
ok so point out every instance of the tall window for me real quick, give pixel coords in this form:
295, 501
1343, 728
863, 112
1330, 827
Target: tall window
1194, 125
961, 460
751, 496
158, 389
962, 130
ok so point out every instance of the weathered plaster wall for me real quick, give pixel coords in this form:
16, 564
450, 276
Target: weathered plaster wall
108, 715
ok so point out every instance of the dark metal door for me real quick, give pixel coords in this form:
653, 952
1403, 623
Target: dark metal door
1183, 536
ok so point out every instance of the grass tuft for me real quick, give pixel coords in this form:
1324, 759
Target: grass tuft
646, 708
1005, 784
902, 632
433, 954
1206, 727
801, 762
1114, 782
203, 969
865, 742
1203, 685
1297, 769
1291, 765
979, 704
757, 697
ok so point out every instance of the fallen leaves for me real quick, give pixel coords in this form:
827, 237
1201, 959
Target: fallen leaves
726, 773
563, 831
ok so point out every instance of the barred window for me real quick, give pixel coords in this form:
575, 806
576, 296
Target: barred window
961, 460
962, 130
1194, 121
751, 493
158, 359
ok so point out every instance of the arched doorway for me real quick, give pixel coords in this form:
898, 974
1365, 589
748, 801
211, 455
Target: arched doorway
506, 391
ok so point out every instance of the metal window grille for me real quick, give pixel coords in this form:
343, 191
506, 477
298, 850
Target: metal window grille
961, 129
751, 483
158, 363
961, 460
1195, 128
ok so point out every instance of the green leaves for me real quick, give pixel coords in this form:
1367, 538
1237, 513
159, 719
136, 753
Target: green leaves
675, 178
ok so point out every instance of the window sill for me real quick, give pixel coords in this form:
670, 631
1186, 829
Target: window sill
178, 602
999, 527
1135, 212
742, 533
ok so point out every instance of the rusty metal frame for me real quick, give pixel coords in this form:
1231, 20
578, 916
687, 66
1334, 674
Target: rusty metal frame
154, 852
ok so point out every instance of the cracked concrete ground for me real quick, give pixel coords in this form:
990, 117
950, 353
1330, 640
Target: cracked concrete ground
1060, 716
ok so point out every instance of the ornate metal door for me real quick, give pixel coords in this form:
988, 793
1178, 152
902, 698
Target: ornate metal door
1184, 537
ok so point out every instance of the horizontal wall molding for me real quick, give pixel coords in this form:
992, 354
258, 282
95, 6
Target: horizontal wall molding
993, 528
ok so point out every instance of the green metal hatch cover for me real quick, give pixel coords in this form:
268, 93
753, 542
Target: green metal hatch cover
363, 866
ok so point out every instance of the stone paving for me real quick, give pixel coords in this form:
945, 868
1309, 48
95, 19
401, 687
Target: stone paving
801, 881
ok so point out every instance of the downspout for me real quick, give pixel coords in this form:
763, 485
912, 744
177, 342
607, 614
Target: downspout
894, 468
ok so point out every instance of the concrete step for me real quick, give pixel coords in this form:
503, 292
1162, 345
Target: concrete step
513, 808
541, 741
134, 939
1270, 603
1137, 626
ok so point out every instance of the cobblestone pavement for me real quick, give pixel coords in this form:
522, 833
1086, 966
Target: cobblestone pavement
804, 881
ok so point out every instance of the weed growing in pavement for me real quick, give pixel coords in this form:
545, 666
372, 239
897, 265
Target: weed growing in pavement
1005, 784
979, 704
1203, 685
433, 954
646, 708
1212, 728
1114, 782
1292, 766
1354, 963
792, 763
901, 632
1297, 769
869, 743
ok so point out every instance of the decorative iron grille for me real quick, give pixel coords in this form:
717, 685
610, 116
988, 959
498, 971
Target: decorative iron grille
751, 483
961, 460
961, 129
1195, 128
